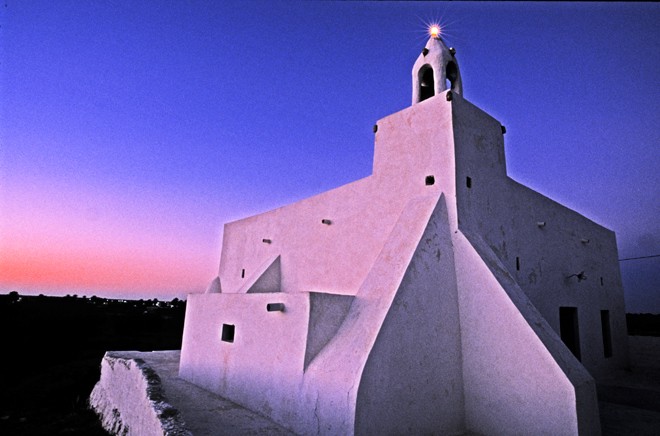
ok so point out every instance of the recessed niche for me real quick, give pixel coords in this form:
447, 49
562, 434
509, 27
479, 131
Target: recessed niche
275, 307
228, 332
430, 180
468, 182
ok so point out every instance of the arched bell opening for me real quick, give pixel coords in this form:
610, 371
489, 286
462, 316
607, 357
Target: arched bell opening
426, 83
451, 72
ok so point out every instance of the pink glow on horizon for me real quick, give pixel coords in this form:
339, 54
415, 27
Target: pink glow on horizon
64, 237
85, 271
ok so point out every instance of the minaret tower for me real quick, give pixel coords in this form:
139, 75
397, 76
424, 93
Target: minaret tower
435, 70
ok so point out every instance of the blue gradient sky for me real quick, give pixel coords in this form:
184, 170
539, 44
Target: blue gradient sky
131, 131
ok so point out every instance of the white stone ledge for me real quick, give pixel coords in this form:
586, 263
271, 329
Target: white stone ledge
129, 398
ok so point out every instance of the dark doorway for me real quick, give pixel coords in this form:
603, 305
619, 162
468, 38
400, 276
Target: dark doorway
569, 330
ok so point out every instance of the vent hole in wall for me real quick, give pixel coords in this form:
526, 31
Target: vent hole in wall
430, 180
228, 332
468, 182
275, 307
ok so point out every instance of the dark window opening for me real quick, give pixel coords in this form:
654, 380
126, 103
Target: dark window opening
426, 83
430, 180
607, 334
468, 182
451, 72
517, 264
601, 281
228, 332
242, 273
569, 329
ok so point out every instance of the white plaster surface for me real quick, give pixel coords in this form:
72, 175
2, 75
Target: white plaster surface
412, 382
505, 214
200, 412
442, 299
510, 376
129, 399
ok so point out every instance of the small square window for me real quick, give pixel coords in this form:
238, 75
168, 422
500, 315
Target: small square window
430, 180
228, 332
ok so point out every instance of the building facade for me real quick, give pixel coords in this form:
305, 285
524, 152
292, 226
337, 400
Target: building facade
436, 295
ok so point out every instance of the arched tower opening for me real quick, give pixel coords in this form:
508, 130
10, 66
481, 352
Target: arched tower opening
435, 71
452, 75
426, 83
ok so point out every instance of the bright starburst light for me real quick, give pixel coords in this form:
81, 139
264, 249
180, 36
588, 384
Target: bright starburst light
434, 30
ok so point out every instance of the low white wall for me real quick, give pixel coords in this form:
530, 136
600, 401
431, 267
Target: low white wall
128, 399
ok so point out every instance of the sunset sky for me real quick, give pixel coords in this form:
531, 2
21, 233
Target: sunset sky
130, 132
